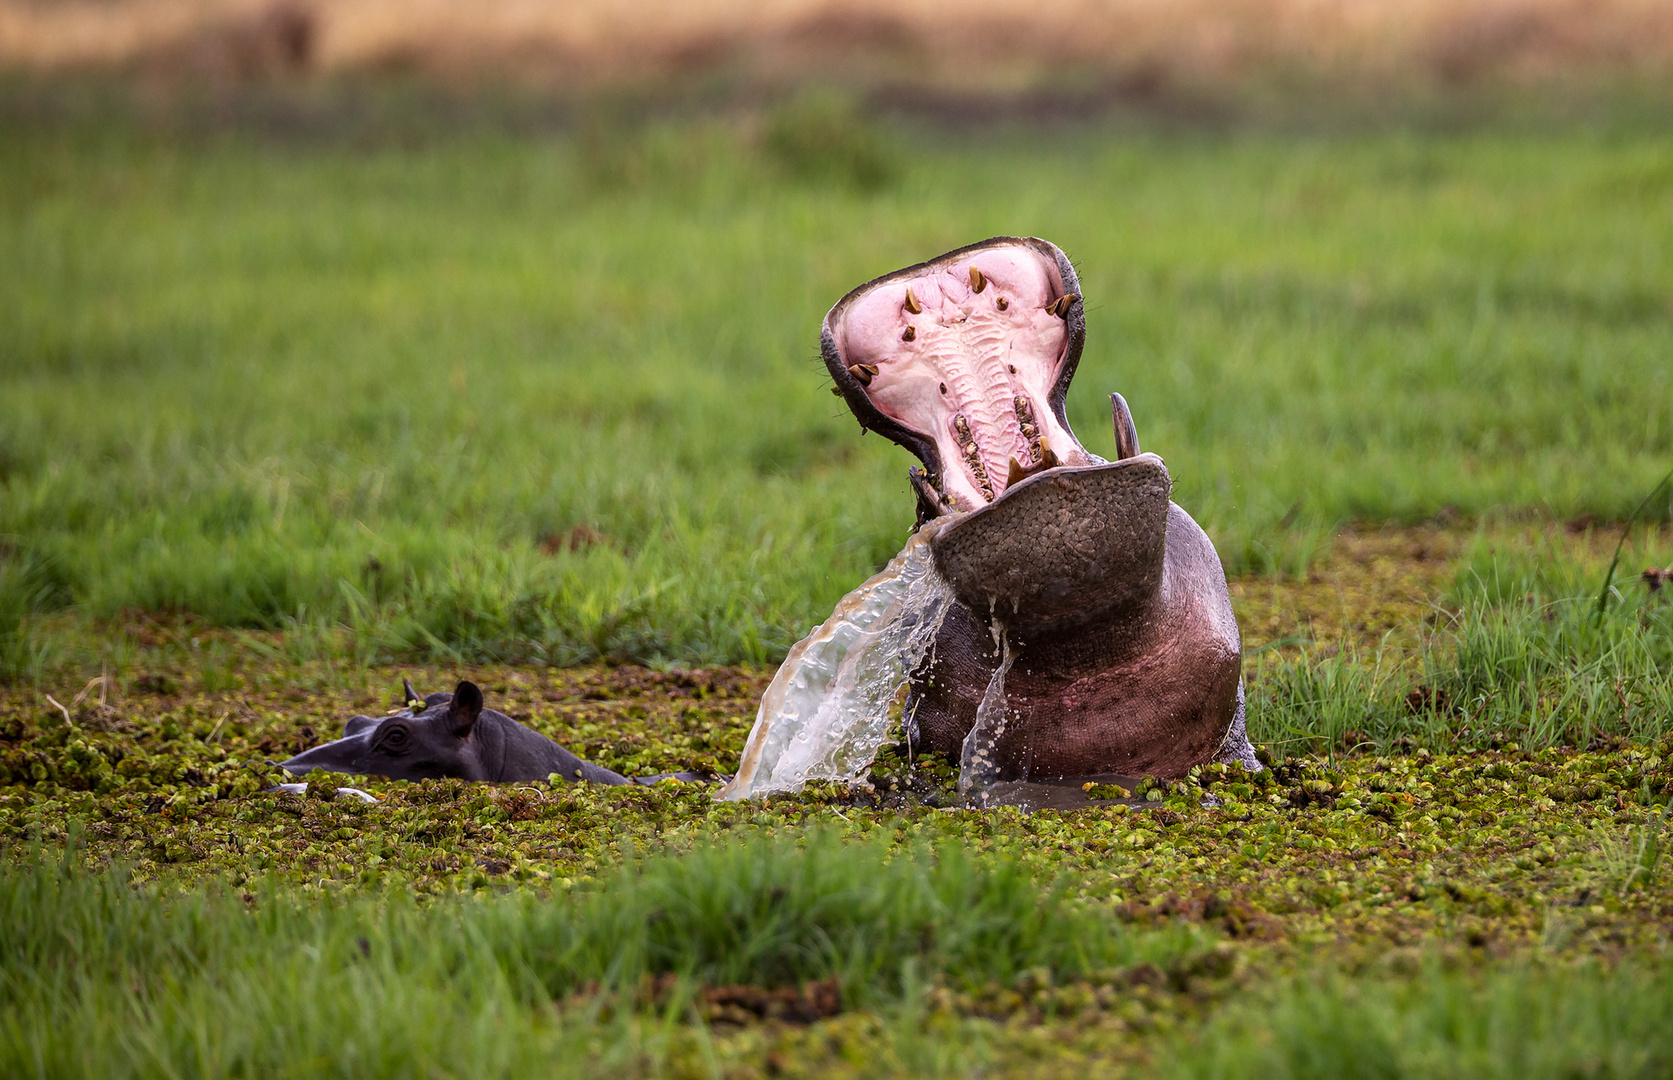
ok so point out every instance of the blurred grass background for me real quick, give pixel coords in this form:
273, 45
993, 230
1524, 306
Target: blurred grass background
556, 398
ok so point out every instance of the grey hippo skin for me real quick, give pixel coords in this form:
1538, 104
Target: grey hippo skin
453, 735
1126, 655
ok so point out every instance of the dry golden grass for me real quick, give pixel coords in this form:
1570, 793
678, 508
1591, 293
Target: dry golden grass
987, 45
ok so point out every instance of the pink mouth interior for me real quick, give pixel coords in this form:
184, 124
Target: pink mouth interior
972, 368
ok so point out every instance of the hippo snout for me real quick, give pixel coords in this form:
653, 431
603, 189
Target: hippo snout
351, 754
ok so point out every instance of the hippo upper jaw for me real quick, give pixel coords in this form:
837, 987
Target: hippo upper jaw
358, 755
351, 754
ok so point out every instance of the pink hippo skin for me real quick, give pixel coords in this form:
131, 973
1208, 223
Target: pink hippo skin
1126, 656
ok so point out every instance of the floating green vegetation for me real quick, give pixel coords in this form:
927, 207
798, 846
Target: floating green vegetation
172, 787
596, 931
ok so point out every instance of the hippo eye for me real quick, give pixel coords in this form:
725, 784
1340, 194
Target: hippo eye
395, 738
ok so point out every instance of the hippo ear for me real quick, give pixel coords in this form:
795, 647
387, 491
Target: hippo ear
465, 708
413, 697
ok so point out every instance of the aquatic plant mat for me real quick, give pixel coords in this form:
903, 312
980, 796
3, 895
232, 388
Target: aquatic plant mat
1437, 877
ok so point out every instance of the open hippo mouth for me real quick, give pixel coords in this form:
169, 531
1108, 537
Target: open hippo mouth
1096, 606
965, 361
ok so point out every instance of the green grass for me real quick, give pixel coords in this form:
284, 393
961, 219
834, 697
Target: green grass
1517, 651
350, 394
1568, 1022
162, 983
209, 984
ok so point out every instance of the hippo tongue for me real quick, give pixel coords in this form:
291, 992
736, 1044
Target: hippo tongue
965, 361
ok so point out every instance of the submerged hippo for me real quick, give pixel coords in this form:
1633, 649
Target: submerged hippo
453, 735
1106, 600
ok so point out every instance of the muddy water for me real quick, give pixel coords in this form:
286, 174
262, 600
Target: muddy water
978, 761
827, 711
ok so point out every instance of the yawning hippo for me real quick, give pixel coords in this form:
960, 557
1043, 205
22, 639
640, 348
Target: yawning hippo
452, 735
1100, 604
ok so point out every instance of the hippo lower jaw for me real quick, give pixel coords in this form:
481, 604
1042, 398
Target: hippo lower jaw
1125, 655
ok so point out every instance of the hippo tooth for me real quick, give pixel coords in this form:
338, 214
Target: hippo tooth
977, 281
912, 304
909, 333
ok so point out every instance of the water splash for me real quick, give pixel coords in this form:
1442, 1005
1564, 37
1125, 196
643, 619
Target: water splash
826, 713
978, 767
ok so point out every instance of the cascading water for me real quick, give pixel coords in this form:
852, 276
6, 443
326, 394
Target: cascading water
978, 767
826, 712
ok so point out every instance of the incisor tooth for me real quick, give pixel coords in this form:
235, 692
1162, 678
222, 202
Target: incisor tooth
977, 281
863, 372
912, 304
1060, 306
909, 333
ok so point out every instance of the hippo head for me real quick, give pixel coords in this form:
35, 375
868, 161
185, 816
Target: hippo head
430, 738
1112, 600
965, 360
